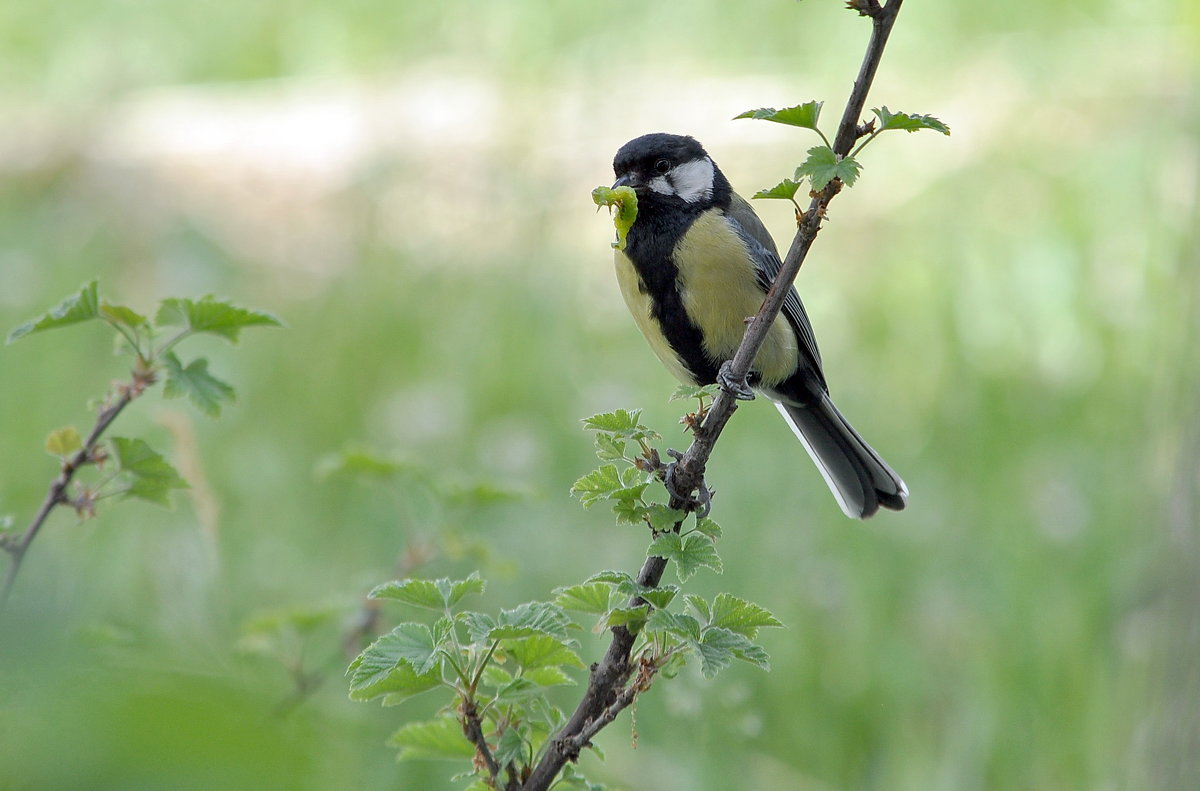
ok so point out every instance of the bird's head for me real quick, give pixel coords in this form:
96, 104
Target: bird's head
664, 167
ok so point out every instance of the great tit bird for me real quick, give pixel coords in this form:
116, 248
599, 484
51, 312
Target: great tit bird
697, 262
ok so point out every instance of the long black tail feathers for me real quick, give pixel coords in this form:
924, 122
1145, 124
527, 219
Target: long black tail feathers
860, 480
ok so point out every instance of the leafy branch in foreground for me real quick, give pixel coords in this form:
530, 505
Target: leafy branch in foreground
643, 630
129, 467
499, 669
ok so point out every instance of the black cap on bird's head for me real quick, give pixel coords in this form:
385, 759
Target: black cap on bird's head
661, 165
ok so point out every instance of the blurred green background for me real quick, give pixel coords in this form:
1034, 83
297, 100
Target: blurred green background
1008, 314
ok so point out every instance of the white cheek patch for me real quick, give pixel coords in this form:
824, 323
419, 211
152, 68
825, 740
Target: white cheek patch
693, 181
660, 185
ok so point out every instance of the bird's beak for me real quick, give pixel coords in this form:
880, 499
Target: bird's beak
625, 181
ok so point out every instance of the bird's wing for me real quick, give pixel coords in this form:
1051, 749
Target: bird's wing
767, 265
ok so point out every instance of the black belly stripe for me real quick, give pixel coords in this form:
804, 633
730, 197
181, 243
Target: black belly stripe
651, 242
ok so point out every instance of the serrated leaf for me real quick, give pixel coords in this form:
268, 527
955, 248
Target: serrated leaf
690, 553
700, 606
549, 676
663, 518
517, 690
63, 441
408, 643
590, 597
541, 651
417, 592
614, 422
740, 616
440, 738
622, 423
632, 618
510, 749
460, 588
909, 123
716, 650
153, 476
597, 485
784, 190
76, 308
529, 619
823, 166
804, 115
202, 388
395, 682
479, 625
708, 527
608, 447
685, 392
659, 597
679, 624
119, 314
629, 512
212, 315
614, 577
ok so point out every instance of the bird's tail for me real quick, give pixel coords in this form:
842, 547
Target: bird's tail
859, 479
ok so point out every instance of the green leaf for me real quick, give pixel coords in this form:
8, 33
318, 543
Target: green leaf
716, 650
531, 618
202, 388
153, 477
708, 527
663, 518
679, 624
63, 441
614, 577
590, 597
687, 392
622, 423
119, 314
615, 422
785, 190
363, 463
541, 650
440, 738
510, 749
80, 307
700, 606
460, 588
608, 447
479, 625
373, 676
660, 597
690, 553
632, 618
549, 676
597, 485
417, 592
212, 315
438, 594
804, 115
909, 123
629, 511
411, 643
517, 690
740, 616
823, 166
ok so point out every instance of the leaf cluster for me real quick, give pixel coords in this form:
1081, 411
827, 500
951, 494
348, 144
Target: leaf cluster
823, 164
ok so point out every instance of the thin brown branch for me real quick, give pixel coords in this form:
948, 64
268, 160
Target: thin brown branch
473, 729
57, 494
608, 690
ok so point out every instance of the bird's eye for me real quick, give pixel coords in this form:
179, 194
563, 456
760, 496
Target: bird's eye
662, 166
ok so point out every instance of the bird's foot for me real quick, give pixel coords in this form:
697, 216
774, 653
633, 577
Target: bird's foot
700, 503
738, 388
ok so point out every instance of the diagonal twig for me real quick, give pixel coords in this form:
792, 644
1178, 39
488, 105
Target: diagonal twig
609, 688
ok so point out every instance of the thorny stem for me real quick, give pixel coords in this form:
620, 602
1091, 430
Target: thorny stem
609, 690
